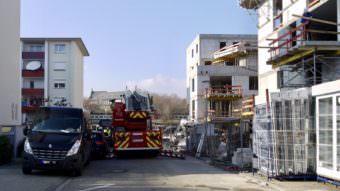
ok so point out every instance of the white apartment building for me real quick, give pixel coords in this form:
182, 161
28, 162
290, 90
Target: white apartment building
299, 60
206, 70
10, 107
52, 72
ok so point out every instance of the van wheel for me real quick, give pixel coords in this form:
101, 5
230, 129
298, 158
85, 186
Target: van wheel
77, 172
87, 163
27, 170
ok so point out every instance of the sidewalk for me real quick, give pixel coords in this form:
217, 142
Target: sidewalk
289, 185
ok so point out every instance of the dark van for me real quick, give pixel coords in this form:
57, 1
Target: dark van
57, 139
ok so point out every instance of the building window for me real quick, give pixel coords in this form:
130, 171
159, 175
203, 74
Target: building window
338, 131
59, 48
277, 13
196, 48
192, 53
193, 85
207, 63
35, 48
253, 83
326, 133
223, 44
193, 108
59, 85
59, 66
32, 84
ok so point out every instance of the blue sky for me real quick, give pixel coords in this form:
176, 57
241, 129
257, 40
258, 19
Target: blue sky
133, 42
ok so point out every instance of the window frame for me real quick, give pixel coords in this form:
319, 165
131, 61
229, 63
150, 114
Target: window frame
59, 69
57, 84
57, 49
253, 83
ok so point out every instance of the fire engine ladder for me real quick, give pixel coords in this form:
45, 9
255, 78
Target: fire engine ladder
200, 145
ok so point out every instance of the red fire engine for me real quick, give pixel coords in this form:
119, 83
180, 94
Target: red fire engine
132, 125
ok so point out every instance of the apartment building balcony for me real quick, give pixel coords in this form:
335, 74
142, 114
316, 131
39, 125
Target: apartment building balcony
33, 55
30, 104
33, 74
233, 51
223, 116
32, 91
28, 109
315, 32
224, 93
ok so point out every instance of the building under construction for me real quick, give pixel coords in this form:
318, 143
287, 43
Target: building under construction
218, 84
295, 126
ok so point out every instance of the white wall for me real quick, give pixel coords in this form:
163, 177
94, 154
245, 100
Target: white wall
10, 70
54, 76
77, 80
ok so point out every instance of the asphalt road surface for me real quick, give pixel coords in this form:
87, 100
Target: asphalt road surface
133, 174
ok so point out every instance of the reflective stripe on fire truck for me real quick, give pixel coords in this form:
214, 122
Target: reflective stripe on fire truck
138, 115
153, 139
122, 139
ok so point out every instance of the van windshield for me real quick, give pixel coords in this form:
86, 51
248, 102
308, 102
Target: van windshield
57, 120
59, 125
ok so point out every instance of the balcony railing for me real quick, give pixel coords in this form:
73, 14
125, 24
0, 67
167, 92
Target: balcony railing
33, 91
224, 92
32, 103
233, 51
281, 45
33, 55
214, 115
35, 73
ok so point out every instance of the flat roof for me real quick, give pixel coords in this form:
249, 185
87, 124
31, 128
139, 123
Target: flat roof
78, 40
222, 36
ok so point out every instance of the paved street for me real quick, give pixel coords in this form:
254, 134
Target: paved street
144, 174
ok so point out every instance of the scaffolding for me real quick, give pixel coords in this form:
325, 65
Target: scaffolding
306, 52
284, 143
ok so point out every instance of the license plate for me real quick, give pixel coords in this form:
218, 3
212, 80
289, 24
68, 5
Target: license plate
137, 134
137, 140
48, 162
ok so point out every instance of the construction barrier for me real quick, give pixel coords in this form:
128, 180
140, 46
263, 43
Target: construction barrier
172, 154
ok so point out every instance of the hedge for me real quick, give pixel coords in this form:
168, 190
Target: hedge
6, 150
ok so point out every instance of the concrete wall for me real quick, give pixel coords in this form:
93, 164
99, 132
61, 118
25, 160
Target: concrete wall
10, 71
